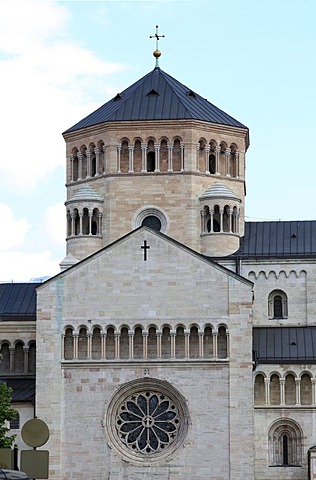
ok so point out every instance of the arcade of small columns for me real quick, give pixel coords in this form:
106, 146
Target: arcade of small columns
219, 219
18, 358
139, 344
154, 157
84, 221
290, 390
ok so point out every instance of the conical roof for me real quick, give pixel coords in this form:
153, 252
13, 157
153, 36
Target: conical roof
157, 96
218, 190
85, 193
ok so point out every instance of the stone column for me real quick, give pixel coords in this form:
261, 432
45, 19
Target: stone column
103, 345
97, 161
119, 150
131, 344
71, 160
173, 343
159, 335
170, 151
117, 336
80, 157
187, 343
157, 157
267, 391
207, 161
201, 343
182, 157
63, 346
75, 337
297, 391
26, 359
131, 158
89, 344
145, 344
237, 164
227, 158
197, 157
215, 335
221, 212
90, 222
80, 222
144, 158
227, 345
217, 152
88, 154
11, 351
282, 391
313, 380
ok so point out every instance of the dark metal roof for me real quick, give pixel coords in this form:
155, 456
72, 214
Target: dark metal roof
23, 388
157, 96
278, 239
284, 344
17, 300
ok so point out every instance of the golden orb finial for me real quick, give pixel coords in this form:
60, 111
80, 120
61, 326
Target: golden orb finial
157, 53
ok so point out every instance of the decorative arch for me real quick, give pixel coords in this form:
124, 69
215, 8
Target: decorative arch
285, 443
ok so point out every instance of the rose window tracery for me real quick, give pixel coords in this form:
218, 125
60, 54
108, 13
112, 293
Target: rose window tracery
146, 418
148, 422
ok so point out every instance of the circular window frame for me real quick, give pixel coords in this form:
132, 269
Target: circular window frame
137, 387
150, 211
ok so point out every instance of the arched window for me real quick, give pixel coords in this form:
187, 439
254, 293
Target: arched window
110, 343
226, 219
222, 343
138, 342
76, 222
222, 159
83, 344
235, 220
259, 390
212, 158
208, 342
153, 222
233, 161
152, 343
5, 360
15, 423
96, 343
137, 156
275, 392
124, 157
216, 219
166, 343
84, 163
277, 305
285, 443
151, 161
85, 222
194, 342
124, 343
95, 222
180, 343
176, 161
290, 389
68, 344
306, 389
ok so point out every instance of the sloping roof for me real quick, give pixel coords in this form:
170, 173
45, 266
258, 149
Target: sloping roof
284, 344
23, 388
17, 300
157, 96
218, 190
278, 239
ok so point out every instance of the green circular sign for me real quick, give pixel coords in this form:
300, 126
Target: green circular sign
35, 432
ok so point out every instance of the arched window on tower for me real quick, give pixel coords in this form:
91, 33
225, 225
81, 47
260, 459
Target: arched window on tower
124, 156
137, 156
152, 343
84, 161
75, 166
176, 155
306, 389
232, 167
76, 221
226, 219
96, 343
277, 305
85, 222
83, 344
222, 159
93, 162
212, 158
259, 390
194, 342
124, 343
222, 343
95, 222
166, 343
285, 443
235, 220
216, 219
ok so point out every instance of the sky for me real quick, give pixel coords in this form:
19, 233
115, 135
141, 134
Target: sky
60, 60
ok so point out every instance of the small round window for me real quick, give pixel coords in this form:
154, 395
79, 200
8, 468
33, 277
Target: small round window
152, 222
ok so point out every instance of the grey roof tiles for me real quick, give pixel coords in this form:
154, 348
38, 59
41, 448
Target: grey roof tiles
156, 96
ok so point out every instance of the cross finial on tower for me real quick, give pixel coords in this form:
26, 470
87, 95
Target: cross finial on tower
157, 53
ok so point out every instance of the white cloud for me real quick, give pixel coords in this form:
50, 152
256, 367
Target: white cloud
43, 89
13, 232
22, 267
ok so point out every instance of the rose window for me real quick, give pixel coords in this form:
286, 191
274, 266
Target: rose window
146, 418
148, 422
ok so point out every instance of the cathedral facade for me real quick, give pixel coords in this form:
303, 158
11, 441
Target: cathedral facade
178, 342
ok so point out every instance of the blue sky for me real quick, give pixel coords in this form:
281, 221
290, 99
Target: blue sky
60, 60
